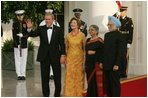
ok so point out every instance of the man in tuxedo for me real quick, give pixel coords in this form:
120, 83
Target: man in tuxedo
51, 52
57, 24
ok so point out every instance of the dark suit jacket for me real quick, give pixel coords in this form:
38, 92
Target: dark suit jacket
55, 49
113, 50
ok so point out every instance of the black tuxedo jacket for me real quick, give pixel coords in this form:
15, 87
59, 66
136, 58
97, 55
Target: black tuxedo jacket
55, 49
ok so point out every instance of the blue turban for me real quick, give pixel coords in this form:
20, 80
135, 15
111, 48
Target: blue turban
116, 22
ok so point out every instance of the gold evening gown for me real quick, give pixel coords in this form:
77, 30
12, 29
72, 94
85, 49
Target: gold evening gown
74, 76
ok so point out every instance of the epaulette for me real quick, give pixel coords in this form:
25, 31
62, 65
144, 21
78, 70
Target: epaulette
129, 18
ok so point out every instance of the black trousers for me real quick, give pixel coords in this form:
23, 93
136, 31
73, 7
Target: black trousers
113, 86
45, 70
124, 60
124, 63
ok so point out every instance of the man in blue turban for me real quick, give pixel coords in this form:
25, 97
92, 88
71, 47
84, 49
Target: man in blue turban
113, 23
112, 57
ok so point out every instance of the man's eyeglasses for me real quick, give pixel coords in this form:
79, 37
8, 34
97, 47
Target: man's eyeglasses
110, 24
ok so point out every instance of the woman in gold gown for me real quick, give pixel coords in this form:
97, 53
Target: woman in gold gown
75, 47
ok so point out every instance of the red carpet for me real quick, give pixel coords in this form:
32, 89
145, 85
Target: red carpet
134, 87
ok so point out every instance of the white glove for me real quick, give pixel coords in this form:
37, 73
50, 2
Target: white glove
20, 35
119, 13
29, 30
128, 45
19, 47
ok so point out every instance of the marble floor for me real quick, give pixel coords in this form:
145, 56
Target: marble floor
31, 87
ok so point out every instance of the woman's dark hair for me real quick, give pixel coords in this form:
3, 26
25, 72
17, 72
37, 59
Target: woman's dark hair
78, 21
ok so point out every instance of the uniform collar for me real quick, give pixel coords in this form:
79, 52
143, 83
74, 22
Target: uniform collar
123, 17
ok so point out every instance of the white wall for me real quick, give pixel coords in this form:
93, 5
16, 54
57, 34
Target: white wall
97, 12
138, 50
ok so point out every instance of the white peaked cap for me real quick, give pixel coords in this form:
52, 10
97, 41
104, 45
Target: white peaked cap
48, 10
19, 12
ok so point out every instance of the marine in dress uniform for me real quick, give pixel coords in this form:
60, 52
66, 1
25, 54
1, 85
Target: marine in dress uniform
83, 27
19, 30
55, 23
127, 34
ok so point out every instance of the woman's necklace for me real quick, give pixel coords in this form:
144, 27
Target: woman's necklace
74, 34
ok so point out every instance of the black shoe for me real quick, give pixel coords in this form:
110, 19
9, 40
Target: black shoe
123, 76
23, 78
19, 78
51, 77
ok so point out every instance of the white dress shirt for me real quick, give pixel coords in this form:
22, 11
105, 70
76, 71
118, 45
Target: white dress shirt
123, 17
49, 34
